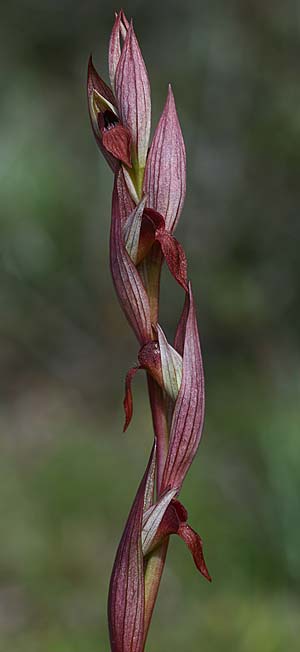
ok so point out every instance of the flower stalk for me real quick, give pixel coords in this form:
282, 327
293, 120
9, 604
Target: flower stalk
148, 196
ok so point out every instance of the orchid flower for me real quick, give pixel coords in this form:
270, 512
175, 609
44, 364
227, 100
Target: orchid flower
147, 200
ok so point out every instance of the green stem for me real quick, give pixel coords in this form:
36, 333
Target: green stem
153, 574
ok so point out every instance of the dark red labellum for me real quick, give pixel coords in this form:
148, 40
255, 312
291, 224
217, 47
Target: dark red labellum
174, 521
115, 138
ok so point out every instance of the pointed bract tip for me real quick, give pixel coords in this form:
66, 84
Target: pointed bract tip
90, 68
170, 96
123, 18
130, 32
120, 16
190, 291
93, 76
95, 83
166, 165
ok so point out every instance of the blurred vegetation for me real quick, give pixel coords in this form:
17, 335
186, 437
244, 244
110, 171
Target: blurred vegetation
65, 347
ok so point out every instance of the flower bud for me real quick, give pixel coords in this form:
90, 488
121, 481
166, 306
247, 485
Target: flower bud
112, 137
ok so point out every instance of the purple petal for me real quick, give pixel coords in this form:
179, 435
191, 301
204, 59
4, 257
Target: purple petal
150, 223
117, 141
195, 545
174, 521
129, 287
174, 256
126, 204
119, 30
133, 95
126, 600
188, 416
165, 175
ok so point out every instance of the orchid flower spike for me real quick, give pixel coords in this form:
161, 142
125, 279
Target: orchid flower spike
121, 118
147, 200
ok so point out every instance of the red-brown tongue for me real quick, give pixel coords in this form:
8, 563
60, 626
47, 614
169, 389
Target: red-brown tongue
117, 141
174, 521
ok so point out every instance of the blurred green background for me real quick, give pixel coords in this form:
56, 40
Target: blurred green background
68, 475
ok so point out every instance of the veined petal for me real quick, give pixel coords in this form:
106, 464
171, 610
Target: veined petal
132, 229
171, 364
165, 174
126, 203
174, 256
129, 287
152, 519
188, 415
119, 31
133, 95
126, 600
